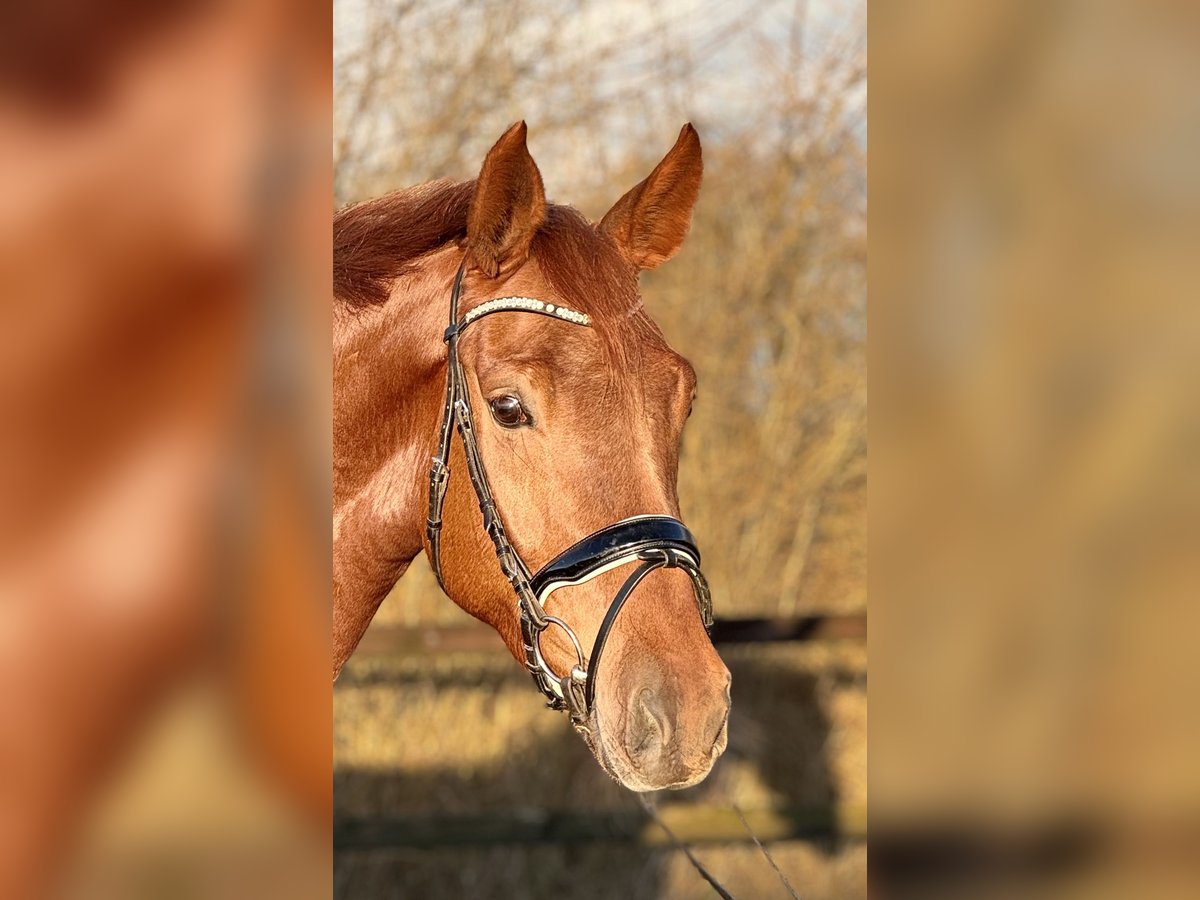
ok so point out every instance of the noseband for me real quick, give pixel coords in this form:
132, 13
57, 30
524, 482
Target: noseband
653, 542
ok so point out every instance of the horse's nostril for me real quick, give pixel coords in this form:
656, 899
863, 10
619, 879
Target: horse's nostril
647, 729
718, 724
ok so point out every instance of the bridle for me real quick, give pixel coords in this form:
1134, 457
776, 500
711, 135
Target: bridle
653, 542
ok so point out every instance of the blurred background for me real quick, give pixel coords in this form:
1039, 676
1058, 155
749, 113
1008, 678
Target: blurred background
1035, 220
164, 450
451, 779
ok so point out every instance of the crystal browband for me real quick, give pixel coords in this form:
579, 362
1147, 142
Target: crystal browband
525, 303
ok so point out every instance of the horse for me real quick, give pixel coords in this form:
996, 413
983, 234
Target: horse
568, 428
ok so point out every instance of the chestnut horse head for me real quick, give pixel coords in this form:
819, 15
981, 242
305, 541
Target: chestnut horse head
578, 428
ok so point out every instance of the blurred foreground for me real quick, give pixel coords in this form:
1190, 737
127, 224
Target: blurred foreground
164, 194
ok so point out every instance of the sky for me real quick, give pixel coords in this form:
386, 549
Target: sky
726, 59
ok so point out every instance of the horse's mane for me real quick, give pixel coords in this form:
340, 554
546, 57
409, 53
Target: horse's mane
378, 241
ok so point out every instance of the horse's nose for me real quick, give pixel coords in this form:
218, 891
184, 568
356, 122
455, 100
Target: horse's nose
673, 736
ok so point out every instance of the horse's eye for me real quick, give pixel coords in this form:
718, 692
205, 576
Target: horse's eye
508, 411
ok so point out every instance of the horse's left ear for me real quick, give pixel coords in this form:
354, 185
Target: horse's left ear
650, 222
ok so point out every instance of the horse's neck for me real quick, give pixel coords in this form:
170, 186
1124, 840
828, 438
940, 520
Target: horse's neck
388, 382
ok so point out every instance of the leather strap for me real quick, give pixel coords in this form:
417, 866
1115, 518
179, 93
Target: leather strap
602, 548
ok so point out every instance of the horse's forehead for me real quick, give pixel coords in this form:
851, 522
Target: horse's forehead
584, 266
598, 291
572, 264
623, 360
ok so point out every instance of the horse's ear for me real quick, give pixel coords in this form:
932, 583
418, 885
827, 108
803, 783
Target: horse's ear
651, 221
508, 207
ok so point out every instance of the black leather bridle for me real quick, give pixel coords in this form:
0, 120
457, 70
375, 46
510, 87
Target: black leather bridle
653, 542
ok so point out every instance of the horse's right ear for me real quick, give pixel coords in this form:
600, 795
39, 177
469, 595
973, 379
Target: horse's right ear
508, 207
